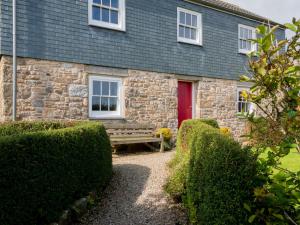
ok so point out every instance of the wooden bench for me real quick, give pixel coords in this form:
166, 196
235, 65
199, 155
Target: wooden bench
123, 134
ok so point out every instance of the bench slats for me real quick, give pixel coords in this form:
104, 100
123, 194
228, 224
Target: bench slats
132, 134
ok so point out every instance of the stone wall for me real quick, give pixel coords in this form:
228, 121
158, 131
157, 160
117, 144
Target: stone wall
58, 90
217, 98
46, 90
151, 97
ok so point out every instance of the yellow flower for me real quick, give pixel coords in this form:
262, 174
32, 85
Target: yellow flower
166, 133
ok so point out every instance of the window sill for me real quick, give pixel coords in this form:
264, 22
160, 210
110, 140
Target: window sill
183, 41
107, 26
108, 118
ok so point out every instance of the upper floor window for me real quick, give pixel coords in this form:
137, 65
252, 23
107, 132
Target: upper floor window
189, 26
107, 13
246, 33
105, 98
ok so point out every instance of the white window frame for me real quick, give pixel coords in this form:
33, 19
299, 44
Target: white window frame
199, 38
251, 105
121, 26
106, 114
253, 45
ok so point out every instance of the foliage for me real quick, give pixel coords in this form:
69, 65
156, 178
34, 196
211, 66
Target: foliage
211, 122
44, 170
220, 178
16, 128
176, 184
275, 92
165, 132
226, 131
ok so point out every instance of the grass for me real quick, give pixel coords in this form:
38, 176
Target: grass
292, 161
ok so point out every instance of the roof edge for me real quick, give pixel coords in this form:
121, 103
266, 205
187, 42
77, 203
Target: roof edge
234, 12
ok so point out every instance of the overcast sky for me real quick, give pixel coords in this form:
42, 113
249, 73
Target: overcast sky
281, 11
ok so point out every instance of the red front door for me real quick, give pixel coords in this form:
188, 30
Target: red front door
185, 105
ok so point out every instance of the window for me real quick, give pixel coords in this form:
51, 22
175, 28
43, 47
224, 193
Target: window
243, 106
105, 97
189, 26
246, 33
107, 13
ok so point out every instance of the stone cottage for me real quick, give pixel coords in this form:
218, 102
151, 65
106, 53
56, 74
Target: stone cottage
152, 61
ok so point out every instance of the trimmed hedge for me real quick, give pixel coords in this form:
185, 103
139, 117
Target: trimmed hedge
176, 185
211, 174
220, 179
43, 171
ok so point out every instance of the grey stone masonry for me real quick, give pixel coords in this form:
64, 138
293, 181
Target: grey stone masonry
58, 90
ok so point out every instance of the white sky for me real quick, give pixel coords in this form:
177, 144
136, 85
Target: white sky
281, 11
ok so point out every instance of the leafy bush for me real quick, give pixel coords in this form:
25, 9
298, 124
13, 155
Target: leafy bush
21, 127
176, 184
275, 77
226, 131
44, 170
165, 132
220, 178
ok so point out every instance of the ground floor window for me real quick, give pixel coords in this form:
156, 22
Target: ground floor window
243, 106
105, 97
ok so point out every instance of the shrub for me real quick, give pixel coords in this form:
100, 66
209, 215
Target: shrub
220, 178
176, 184
226, 131
43, 171
166, 133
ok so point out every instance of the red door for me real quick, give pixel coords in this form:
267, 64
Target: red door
185, 106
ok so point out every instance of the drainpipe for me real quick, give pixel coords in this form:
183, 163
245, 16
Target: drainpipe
14, 105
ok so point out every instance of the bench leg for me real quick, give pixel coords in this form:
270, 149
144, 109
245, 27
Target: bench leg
162, 147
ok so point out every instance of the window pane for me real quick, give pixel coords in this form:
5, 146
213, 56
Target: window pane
241, 44
188, 19
244, 44
104, 104
95, 103
105, 88
106, 2
97, 1
96, 87
194, 21
105, 15
181, 31
250, 34
182, 17
193, 34
188, 32
249, 45
240, 96
113, 89
242, 33
113, 104
114, 16
239, 107
115, 3
96, 13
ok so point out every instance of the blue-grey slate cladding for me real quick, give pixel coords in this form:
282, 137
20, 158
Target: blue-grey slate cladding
59, 30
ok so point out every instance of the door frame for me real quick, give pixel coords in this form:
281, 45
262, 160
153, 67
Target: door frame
193, 95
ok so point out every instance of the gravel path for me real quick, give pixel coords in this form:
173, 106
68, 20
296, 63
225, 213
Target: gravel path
135, 195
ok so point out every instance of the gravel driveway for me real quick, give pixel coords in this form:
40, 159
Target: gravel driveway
135, 195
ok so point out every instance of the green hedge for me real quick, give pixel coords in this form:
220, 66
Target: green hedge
220, 179
43, 171
176, 185
211, 174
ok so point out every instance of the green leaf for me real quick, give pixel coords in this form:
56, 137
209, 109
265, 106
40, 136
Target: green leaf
291, 27
292, 69
252, 218
278, 216
244, 78
247, 207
